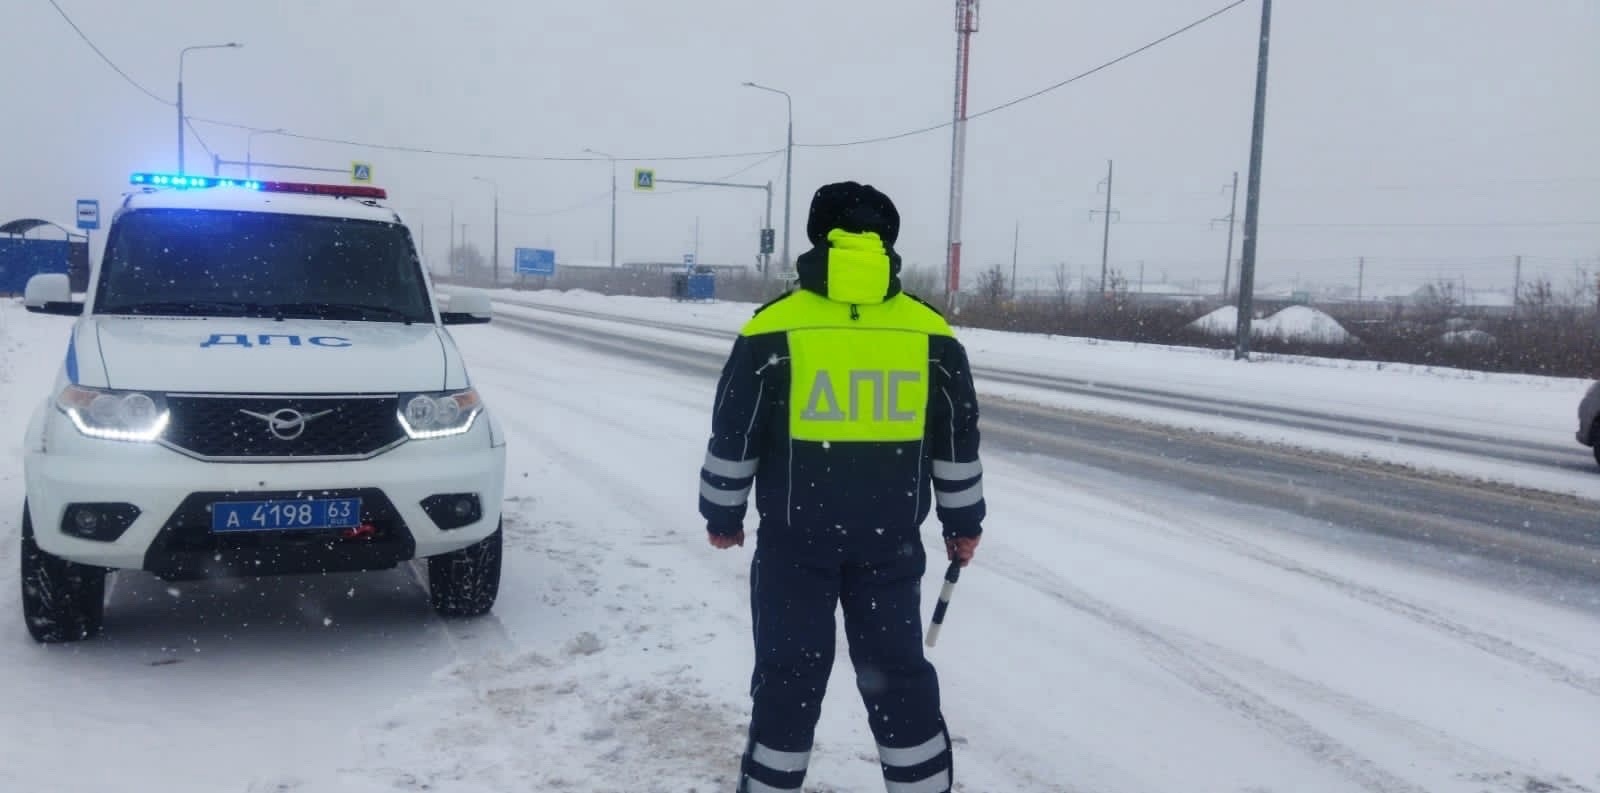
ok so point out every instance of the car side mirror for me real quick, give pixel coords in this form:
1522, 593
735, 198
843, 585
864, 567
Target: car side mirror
468, 308
50, 293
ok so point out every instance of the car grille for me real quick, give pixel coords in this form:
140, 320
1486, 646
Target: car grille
233, 427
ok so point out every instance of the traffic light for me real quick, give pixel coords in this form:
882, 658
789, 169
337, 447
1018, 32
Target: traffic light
768, 240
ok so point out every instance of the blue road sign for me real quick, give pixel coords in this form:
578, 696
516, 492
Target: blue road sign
88, 214
535, 261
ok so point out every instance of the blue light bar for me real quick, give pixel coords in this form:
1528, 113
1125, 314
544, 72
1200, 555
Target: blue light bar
175, 180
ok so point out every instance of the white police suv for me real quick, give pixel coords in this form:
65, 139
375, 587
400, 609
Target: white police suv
259, 382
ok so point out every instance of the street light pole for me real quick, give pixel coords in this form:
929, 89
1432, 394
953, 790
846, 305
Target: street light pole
181, 53
613, 202
496, 227
249, 141
788, 169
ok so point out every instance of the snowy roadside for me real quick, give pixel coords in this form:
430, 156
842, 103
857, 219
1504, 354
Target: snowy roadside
1497, 407
1100, 643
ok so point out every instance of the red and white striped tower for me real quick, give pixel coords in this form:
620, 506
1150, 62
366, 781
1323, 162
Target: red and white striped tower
966, 25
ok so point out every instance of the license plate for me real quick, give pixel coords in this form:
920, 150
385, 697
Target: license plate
321, 513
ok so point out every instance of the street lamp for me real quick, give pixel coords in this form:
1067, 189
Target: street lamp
232, 45
788, 168
249, 139
613, 202
496, 226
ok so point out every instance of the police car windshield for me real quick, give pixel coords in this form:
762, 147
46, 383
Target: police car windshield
182, 262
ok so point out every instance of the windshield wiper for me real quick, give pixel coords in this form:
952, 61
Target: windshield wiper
359, 311
195, 308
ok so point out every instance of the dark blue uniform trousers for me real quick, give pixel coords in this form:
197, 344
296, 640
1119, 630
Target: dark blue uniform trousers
794, 590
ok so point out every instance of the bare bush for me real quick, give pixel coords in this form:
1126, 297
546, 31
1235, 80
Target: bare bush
1550, 334
993, 287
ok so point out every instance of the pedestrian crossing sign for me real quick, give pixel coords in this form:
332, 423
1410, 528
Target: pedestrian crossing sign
361, 172
644, 179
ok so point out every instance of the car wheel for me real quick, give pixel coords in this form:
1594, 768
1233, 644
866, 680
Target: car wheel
465, 583
62, 601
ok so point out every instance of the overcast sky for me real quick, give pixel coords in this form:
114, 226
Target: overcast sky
1482, 113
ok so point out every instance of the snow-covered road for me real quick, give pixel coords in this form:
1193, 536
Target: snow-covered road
1116, 634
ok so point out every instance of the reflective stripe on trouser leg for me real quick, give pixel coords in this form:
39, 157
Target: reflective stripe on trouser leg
882, 603
768, 770
748, 785
792, 605
914, 755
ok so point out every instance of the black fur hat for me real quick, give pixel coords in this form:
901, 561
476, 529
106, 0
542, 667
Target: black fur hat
853, 207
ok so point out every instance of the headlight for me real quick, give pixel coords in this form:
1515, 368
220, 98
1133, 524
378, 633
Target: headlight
115, 415
427, 416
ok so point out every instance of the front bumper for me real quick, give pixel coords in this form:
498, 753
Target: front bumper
171, 492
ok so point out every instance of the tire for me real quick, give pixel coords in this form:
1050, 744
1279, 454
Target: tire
465, 583
62, 601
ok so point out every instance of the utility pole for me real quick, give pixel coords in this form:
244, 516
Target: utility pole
1252, 201
766, 187
1516, 286
1361, 278
613, 200
788, 172
1016, 240
766, 256
1141, 276
496, 186
232, 45
966, 25
1231, 219
1105, 240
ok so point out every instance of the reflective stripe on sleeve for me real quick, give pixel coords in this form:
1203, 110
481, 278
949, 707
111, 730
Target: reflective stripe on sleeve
724, 498
731, 469
957, 471
958, 499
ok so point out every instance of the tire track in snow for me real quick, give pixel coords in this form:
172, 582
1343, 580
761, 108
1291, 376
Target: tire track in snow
1436, 438
1497, 646
1171, 655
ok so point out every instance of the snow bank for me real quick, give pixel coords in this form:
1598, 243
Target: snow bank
1296, 323
1468, 337
1303, 323
1222, 322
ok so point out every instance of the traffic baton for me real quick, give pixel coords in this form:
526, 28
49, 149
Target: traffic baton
950, 577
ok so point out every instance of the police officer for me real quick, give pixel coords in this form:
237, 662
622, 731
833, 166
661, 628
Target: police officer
847, 406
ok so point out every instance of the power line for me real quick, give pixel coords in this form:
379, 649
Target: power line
1481, 225
380, 146
1036, 94
544, 213
490, 155
598, 197
740, 172
202, 141
413, 149
741, 155
1422, 225
107, 59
